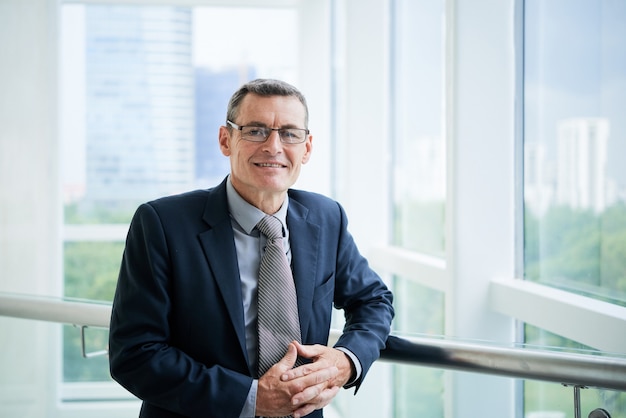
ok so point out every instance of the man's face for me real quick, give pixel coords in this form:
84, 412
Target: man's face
265, 170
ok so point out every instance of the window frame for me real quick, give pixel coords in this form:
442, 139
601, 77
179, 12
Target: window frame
588, 321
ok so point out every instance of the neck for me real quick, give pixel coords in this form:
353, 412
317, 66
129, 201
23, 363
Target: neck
269, 205
268, 202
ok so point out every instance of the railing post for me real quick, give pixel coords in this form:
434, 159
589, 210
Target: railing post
577, 400
83, 345
596, 413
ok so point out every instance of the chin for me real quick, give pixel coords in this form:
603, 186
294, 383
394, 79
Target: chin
275, 184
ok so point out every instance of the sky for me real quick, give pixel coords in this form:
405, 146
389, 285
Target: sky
575, 67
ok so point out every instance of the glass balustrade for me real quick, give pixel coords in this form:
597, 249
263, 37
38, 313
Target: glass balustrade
54, 358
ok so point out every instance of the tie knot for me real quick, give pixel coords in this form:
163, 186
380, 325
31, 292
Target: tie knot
270, 227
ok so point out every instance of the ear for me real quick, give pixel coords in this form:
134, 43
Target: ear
309, 148
224, 140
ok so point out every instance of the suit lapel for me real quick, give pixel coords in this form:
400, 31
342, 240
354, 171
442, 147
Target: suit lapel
218, 244
304, 241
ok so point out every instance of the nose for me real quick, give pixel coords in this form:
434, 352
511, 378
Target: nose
272, 143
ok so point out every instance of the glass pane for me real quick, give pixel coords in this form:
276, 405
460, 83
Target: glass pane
425, 402
419, 188
419, 153
419, 310
550, 400
91, 270
574, 143
143, 93
76, 368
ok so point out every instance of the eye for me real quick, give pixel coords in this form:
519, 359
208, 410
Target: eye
256, 131
292, 136
287, 133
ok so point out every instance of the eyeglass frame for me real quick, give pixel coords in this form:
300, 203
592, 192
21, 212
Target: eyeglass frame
241, 127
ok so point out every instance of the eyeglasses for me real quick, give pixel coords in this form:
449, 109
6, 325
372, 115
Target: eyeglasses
261, 133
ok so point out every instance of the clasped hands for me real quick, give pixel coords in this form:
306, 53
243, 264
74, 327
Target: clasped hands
284, 390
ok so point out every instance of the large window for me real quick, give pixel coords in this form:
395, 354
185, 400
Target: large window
418, 186
417, 128
574, 175
575, 140
144, 91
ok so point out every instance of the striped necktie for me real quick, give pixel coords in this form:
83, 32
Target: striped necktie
278, 323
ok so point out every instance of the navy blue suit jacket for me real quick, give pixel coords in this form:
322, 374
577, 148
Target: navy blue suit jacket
177, 337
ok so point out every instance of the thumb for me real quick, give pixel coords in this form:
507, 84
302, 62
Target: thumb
307, 351
290, 357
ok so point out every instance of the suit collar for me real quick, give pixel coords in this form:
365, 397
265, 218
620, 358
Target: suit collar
216, 208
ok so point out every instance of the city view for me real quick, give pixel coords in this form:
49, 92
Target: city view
145, 90
144, 100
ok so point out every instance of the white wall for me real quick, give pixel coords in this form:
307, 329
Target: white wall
29, 213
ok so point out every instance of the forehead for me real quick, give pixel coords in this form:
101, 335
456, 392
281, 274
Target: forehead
271, 109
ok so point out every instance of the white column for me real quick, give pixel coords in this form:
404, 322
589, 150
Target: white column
29, 205
314, 81
361, 157
481, 196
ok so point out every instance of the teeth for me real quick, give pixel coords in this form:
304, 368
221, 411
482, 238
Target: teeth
269, 165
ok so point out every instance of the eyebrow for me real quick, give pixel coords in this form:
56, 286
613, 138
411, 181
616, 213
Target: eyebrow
264, 125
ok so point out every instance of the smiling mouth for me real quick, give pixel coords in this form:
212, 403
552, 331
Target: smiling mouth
271, 165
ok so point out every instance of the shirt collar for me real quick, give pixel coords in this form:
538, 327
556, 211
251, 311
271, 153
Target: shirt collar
247, 215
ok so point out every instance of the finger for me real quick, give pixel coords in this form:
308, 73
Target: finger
299, 371
322, 358
310, 374
325, 374
311, 386
307, 395
322, 400
305, 370
304, 411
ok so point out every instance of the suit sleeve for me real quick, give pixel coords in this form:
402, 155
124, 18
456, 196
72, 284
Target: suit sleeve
142, 358
365, 300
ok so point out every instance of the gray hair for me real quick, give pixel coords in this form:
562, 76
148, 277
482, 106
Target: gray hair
265, 87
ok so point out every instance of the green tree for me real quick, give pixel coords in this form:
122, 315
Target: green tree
578, 250
91, 270
582, 252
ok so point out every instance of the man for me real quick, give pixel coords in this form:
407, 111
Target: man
184, 335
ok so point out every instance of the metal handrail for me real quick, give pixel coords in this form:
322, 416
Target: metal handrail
582, 369
61, 310
572, 369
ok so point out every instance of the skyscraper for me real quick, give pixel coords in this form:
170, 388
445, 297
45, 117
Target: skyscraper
213, 90
139, 102
581, 166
